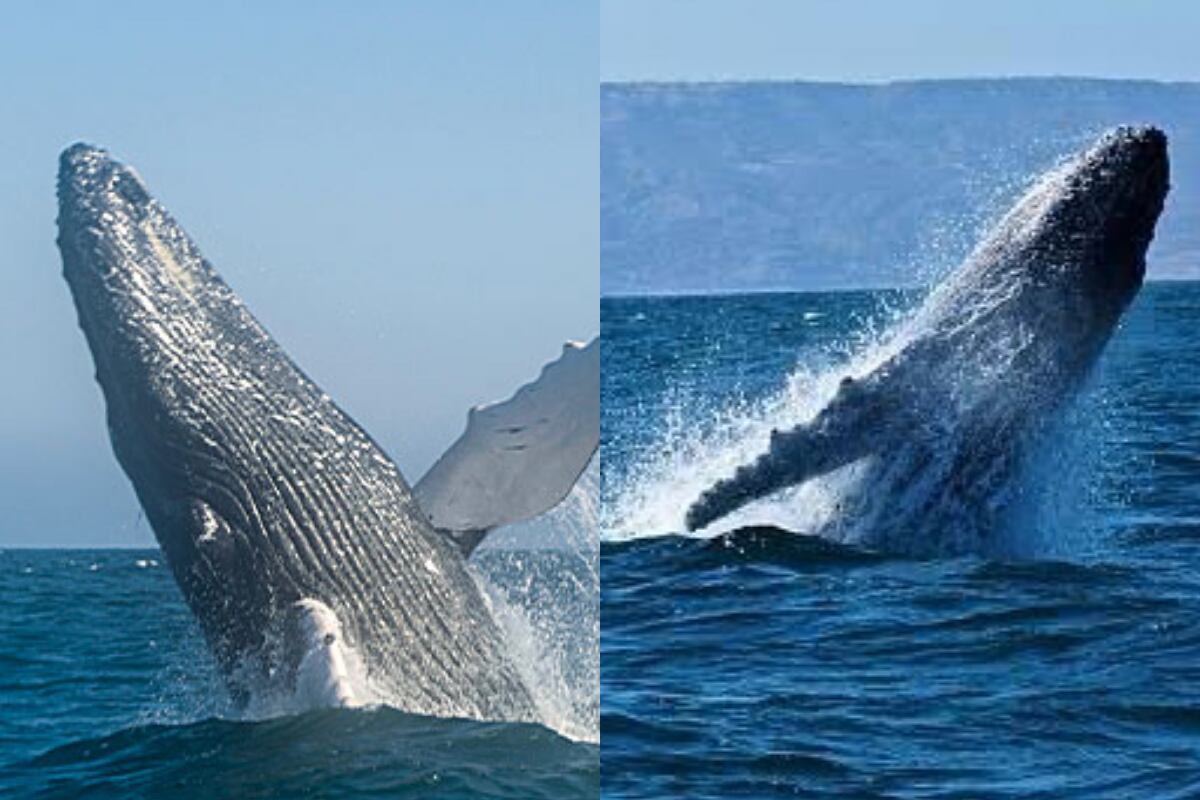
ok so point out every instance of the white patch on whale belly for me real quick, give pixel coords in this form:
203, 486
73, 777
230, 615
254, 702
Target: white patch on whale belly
327, 672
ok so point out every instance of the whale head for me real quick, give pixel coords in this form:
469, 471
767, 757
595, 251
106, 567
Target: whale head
171, 343
1079, 236
130, 266
156, 316
1033, 305
1102, 210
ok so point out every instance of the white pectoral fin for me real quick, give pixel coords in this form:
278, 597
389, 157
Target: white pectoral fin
520, 457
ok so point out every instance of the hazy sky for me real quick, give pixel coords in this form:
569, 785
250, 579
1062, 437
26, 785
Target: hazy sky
871, 40
406, 194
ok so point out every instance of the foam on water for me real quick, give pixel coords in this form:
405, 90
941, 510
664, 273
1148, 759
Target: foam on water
687, 459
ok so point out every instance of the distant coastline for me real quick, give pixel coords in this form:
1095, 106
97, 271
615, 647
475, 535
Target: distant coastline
868, 84
863, 184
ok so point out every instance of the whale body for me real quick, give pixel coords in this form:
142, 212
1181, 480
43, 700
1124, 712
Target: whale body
297, 543
932, 438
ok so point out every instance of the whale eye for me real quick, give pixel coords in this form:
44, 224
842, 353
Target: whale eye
330, 639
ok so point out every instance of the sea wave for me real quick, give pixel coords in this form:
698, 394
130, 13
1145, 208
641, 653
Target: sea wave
375, 752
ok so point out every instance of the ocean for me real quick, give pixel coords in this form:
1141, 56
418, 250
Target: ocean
1061, 662
107, 690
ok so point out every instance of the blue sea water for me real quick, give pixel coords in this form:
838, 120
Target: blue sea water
107, 690
1063, 664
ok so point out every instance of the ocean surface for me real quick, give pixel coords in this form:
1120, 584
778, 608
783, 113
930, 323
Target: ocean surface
1062, 663
107, 690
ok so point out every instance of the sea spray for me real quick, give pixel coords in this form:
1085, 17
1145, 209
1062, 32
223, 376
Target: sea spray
541, 579
699, 441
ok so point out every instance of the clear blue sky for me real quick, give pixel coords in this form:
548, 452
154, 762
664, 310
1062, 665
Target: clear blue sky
405, 193
873, 40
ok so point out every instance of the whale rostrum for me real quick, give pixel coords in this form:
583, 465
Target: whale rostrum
936, 431
294, 538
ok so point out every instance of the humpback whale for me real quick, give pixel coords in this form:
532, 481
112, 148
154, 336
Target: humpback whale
932, 435
295, 540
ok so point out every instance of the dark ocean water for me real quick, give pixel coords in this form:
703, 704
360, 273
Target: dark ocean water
762, 663
106, 690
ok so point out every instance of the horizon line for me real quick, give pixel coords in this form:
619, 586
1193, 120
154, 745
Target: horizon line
884, 82
694, 293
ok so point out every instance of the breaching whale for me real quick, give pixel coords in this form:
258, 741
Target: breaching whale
294, 538
932, 436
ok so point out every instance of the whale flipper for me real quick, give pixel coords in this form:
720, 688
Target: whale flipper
842, 433
795, 456
520, 457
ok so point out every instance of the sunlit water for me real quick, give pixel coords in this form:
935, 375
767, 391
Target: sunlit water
1061, 663
107, 690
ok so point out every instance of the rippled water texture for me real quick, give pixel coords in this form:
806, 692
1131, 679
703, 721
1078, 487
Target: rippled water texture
106, 690
762, 663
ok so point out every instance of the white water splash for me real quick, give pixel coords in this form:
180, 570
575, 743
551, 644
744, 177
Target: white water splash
1071, 487
550, 618
686, 459
1055, 501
